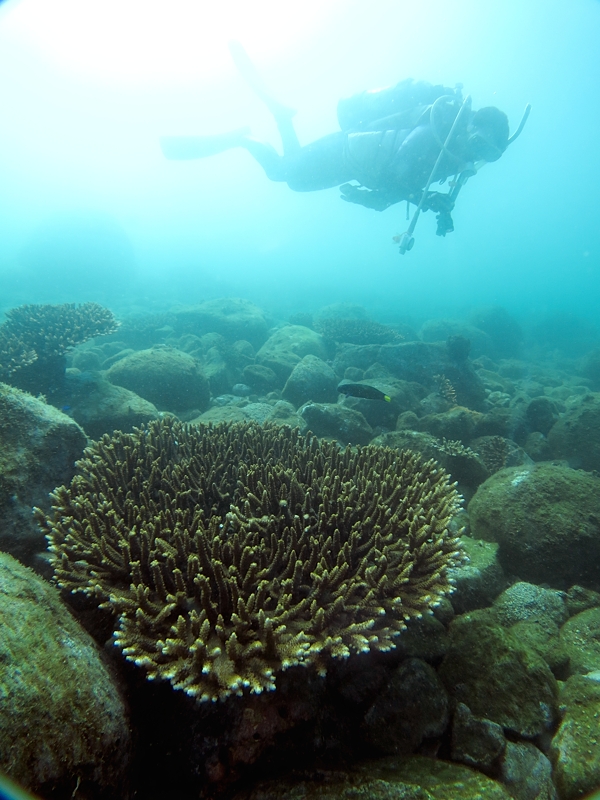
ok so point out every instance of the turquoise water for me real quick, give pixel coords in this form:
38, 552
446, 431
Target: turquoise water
90, 209
92, 212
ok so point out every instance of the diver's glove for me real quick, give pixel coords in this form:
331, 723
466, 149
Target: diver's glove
445, 223
443, 205
369, 198
438, 201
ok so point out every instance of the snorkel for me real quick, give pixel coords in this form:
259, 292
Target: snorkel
407, 239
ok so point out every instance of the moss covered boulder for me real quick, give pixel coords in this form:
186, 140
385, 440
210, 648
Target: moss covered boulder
411, 778
63, 724
287, 347
101, 407
576, 435
498, 678
580, 637
170, 379
546, 519
311, 379
39, 446
575, 750
232, 317
334, 421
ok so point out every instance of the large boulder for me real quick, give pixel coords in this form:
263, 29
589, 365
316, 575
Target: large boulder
63, 722
335, 421
429, 364
101, 407
287, 347
232, 317
411, 707
392, 778
498, 678
170, 379
546, 519
576, 435
311, 379
39, 446
580, 636
574, 751
439, 330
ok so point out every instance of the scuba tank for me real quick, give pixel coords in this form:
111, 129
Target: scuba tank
406, 101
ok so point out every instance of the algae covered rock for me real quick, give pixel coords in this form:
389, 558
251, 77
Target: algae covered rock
412, 706
546, 519
311, 379
527, 772
480, 579
336, 422
39, 446
575, 750
260, 379
233, 317
489, 670
63, 722
576, 435
534, 615
476, 741
101, 407
425, 363
580, 636
525, 602
393, 778
170, 379
287, 347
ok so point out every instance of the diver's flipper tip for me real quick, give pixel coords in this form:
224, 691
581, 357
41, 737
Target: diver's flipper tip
248, 71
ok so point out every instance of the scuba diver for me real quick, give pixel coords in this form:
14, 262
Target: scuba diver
392, 145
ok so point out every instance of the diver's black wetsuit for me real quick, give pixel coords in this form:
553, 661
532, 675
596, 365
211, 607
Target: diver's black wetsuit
391, 156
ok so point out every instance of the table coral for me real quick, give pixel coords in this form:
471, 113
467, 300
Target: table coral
230, 553
33, 332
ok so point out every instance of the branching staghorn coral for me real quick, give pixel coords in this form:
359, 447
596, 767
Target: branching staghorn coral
446, 389
34, 332
455, 448
232, 552
14, 353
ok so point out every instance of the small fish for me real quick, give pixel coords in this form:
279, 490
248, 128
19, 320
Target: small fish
363, 390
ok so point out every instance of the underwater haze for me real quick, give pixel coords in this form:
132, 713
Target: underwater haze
91, 210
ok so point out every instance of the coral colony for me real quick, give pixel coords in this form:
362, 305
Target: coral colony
231, 552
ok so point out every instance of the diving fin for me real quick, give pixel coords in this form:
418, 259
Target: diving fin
186, 148
250, 74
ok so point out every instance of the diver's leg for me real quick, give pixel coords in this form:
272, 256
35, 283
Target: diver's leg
289, 138
320, 165
281, 113
274, 165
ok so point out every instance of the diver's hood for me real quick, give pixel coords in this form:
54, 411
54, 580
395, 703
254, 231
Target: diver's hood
488, 134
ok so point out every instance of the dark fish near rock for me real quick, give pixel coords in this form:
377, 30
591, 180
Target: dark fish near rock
363, 390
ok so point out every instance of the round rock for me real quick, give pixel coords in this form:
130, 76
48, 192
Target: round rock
576, 435
311, 379
63, 722
546, 519
169, 378
287, 347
